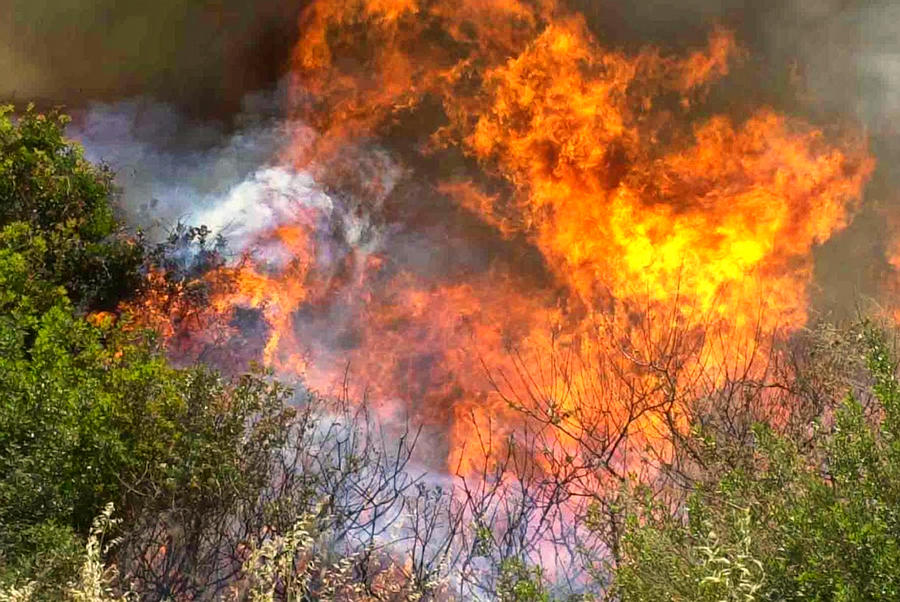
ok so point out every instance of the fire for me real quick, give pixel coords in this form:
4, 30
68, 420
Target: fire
670, 241
276, 296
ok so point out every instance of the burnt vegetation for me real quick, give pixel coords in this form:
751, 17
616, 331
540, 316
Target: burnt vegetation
634, 476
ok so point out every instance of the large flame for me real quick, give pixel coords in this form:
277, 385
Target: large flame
672, 242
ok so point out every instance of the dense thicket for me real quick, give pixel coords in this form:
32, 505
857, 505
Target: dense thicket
90, 411
46, 184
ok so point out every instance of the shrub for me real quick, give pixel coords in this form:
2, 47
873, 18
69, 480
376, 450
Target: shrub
46, 183
818, 524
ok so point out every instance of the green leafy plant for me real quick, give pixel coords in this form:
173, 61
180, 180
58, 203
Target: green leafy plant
46, 184
819, 523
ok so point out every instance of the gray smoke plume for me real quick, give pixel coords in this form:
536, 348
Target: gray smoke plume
173, 169
202, 56
848, 68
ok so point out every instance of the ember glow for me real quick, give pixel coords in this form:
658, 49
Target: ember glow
628, 231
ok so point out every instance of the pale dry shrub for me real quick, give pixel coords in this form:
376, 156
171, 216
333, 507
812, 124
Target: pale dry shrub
300, 565
21, 593
95, 579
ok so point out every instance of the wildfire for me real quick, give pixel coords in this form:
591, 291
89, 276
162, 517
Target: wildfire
659, 228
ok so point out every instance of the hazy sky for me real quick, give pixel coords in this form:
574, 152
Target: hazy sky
202, 55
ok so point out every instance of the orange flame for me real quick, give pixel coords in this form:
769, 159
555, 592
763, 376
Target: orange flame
651, 218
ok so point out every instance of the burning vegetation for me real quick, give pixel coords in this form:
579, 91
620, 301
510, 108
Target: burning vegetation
623, 220
546, 306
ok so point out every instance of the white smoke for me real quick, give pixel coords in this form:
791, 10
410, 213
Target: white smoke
268, 199
171, 169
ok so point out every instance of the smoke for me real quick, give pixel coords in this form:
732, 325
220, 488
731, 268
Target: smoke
847, 58
202, 57
171, 168
847, 54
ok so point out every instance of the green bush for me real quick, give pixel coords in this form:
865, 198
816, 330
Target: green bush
822, 524
90, 410
46, 183
92, 413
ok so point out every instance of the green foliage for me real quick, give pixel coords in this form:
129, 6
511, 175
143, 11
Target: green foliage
520, 582
90, 410
667, 560
91, 414
94, 579
83, 422
821, 525
46, 183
